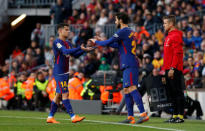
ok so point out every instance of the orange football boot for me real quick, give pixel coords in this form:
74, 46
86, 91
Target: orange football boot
143, 118
78, 119
52, 120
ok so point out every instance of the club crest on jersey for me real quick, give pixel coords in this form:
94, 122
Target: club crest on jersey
115, 35
166, 43
59, 45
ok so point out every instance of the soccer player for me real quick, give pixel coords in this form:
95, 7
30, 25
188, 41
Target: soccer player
173, 66
62, 51
125, 41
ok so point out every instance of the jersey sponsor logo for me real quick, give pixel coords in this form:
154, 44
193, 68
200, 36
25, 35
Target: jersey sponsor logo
59, 45
115, 35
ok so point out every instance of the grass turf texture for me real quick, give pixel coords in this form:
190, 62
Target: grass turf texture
36, 121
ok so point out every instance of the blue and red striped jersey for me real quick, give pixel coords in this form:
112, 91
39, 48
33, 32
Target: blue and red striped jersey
125, 41
62, 51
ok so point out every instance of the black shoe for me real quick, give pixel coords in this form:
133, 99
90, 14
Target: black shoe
171, 120
178, 120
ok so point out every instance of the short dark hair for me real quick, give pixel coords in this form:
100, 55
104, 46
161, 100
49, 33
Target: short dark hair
124, 17
61, 25
170, 18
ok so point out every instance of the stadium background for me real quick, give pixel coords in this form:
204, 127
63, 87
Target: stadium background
87, 18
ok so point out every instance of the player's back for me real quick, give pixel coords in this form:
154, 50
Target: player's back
61, 61
127, 48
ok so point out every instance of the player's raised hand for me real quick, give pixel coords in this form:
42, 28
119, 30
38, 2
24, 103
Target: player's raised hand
87, 49
92, 40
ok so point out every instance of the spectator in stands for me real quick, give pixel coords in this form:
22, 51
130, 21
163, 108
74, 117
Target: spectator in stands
57, 12
188, 79
85, 33
50, 43
73, 65
38, 35
16, 52
196, 38
159, 36
24, 67
93, 64
93, 20
92, 5
68, 5
140, 32
39, 57
34, 46
30, 60
73, 19
103, 18
197, 80
82, 19
30, 51
202, 48
111, 18
99, 33
48, 55
15, 66
188, 39
147, 63
185, 26
198, 61
104, 66
148, 20
82, 8
157, 61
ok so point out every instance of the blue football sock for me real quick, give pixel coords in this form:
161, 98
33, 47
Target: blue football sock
138, 99
53, 109
68, 107
129, 103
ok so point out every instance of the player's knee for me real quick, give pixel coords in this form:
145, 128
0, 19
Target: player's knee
57, 98
125, 90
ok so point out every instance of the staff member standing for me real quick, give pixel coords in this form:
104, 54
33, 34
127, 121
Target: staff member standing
173, 66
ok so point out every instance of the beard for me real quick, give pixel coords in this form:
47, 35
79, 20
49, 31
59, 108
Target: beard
118, 26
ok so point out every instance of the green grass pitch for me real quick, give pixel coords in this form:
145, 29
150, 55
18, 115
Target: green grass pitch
36, 121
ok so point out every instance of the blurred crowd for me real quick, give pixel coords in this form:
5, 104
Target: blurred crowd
31, 84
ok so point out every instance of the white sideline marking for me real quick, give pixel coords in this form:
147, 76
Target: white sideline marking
94, 121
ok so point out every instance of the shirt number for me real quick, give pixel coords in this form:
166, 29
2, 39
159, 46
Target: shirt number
134, 47
63, 84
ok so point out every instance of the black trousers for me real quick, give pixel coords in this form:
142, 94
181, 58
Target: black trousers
175, 91
40, 101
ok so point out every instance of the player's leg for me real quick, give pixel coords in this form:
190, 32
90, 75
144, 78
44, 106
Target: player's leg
66, 102
131, 77
69, 110
54, 107
56, 100
129, 104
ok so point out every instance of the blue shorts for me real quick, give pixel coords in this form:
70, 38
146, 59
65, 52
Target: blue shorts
130, 77
61, 83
